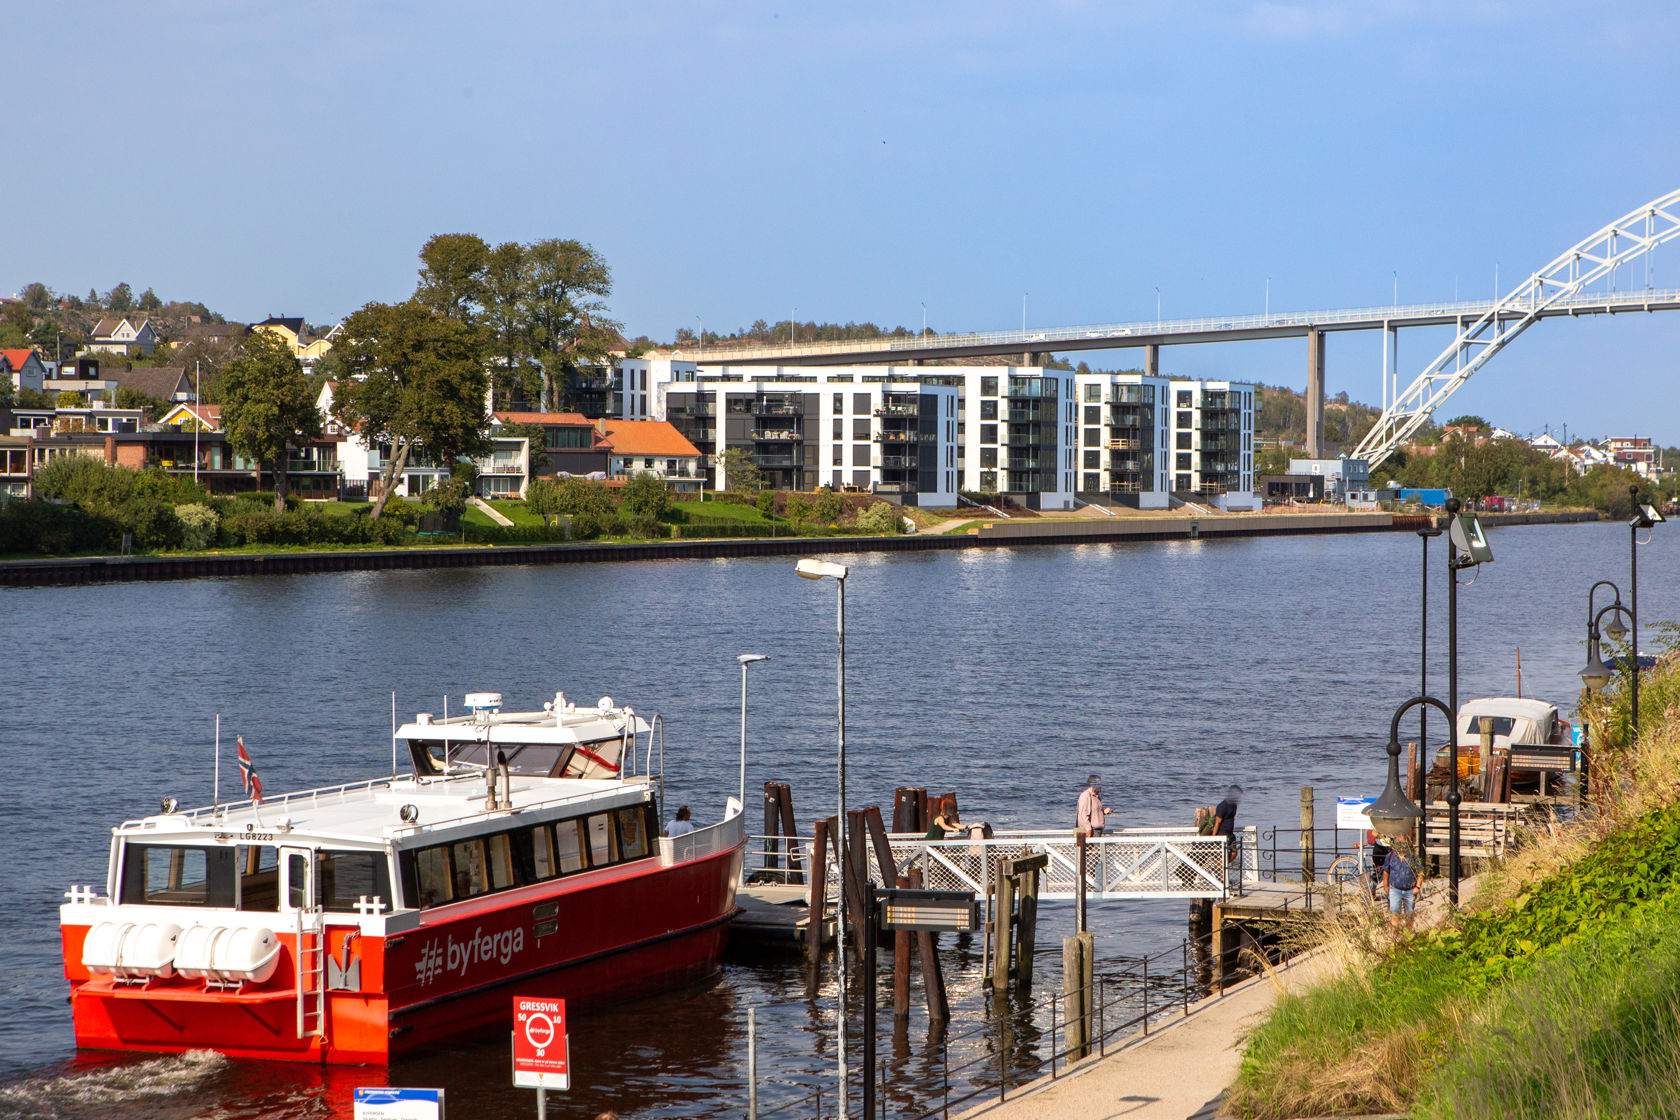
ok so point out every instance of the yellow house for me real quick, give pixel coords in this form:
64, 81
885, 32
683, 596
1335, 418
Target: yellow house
307, 350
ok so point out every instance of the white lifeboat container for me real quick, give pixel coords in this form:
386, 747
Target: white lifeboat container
149, 951
195, 951
102, 950
247, 953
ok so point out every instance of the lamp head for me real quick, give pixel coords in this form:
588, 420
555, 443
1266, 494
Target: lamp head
1646, 515
820, 569
750, 658
1597, 674
1615, 629
1393, 814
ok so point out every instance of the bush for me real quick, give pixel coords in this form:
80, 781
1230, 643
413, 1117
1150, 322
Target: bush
200, 525
578, 496
44, 528
519, 534
799, 509
643, 525
829, 505
87, 482
449, 496
880, 519
542, 498
766, 502
645, 496
586, 526
152, 522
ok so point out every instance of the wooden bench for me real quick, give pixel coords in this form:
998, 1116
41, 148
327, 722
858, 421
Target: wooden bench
1484, 829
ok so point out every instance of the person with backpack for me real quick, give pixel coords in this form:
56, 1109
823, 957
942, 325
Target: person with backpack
1401, 878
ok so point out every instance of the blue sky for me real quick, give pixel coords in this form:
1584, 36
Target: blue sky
735, 161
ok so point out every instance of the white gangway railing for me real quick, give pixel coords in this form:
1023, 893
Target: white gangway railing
1124, 864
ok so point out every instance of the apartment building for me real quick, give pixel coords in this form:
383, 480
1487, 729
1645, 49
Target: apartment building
1213, 442
1124, 438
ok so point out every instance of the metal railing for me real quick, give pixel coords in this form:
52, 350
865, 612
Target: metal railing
1025, 1041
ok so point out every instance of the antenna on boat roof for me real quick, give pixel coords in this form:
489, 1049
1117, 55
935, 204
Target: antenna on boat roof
216, 783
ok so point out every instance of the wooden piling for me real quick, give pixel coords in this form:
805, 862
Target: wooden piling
857, 855
789, 829
1003, 929
817, 905
883, 848
1307, 851
901, 965
1028, 930
933, 979
772, 828
1073, 996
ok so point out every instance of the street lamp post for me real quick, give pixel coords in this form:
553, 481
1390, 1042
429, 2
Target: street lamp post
1466, 548
1394, 814
1644, 517
746, 659
824, 569
1424, 536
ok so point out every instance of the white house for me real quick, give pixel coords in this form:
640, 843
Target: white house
123, 336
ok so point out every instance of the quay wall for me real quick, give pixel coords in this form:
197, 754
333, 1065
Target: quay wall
990, 534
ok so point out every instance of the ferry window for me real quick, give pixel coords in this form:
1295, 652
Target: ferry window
500, 857
600, 840
171, 875
342, 878
533, 854
568, 846
632, 832
297, 881
431, 876
259, 878
470, 878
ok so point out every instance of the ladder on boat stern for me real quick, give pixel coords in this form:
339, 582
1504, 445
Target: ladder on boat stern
311, 975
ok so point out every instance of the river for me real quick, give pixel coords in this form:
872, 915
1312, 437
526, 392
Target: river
1007, 675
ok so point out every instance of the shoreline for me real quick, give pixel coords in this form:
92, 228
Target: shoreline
48, 572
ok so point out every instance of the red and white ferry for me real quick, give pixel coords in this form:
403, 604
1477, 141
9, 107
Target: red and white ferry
364, 921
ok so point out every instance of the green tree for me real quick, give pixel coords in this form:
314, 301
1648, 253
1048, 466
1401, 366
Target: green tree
504, 300
149, 301
1469, 421
266, 404
799, 508
414, 380
740, 472
645, 496
69, 398
453, 275
92, 300
579, 496
880, 519
120, 298
449, 496
564, 309
37, 296
134, 398
543, 498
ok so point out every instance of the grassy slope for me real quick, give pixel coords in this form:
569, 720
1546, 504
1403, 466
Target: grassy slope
1559, 999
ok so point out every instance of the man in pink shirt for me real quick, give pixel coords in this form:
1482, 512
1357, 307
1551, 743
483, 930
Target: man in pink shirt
1093, 814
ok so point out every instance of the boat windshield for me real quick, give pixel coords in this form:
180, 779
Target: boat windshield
178, 875
539, 760
247, 877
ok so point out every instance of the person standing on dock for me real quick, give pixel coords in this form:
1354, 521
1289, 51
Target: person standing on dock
1225, 824
1093, 814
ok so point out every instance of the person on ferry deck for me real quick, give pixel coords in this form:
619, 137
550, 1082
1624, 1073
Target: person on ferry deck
945, 822
1093, 814
681, 825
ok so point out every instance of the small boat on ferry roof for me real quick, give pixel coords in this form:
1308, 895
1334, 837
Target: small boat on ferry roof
363, 921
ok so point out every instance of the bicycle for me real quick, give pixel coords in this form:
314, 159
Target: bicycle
1352, 867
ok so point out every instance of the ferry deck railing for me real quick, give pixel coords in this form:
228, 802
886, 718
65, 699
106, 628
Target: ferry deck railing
707, 841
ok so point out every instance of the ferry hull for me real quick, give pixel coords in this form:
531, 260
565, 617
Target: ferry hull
588, 940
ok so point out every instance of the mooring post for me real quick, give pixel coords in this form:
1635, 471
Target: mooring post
816, 907
933, 980
1079, 839
1307, 834
772, 829
901, 965
1004, 929
789, 829
1090, 1001
1073, 995
1029, 930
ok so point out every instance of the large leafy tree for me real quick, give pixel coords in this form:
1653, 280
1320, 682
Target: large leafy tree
413, 379
564, 309
452, 276
266, 405
504, 317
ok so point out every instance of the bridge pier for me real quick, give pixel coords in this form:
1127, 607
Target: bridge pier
1032, 358
1152, 359
1315, 393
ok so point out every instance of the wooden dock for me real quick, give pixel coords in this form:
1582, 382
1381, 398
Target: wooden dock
776, 914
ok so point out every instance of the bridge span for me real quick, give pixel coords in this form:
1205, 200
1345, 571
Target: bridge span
1172, 332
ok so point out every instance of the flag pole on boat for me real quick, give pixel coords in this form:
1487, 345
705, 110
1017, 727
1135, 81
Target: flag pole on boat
393, 735
216, 784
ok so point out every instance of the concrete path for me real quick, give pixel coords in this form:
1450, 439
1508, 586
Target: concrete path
1180, 1071
491, 512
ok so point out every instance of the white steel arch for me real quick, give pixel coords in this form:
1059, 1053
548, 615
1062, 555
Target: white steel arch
1627, 238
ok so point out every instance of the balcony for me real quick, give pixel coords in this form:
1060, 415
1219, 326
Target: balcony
774, 461
767, 435
770, 406
702, 408
898, 410
900, 435
1032, 415
899, 462
501, 468
1124, 444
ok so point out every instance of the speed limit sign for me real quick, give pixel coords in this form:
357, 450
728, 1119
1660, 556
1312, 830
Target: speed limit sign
540, 1047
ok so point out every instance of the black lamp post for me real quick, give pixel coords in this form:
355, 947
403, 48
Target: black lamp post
1467, 547
1597, 674
1394, 814
1425, 536
1645, 516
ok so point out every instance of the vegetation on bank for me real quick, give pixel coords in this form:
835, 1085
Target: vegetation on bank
88, 507
1555, 993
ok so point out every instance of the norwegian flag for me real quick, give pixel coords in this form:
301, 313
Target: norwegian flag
248, 773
